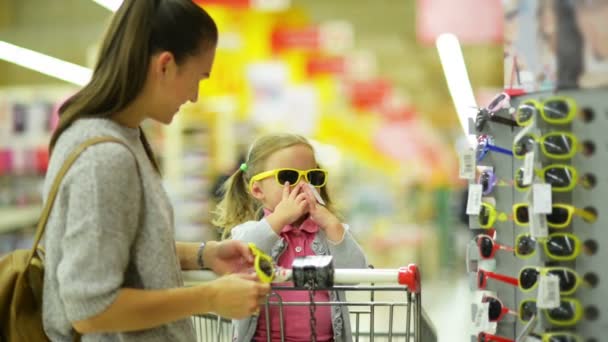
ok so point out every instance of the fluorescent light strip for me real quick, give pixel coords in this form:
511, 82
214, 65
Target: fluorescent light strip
112, 5
47, 65
458, 82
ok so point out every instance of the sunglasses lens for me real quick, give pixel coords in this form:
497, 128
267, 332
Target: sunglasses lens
527, 311
484, 180
481, 279
528, 277
486, 246
525, 112
524, 145
495, 309
519, 179
525, 245
558, 216
562, 338
561, 246
558, 144
290, 176
556, 109
558, 177
567, 279
316, 177
564, 312
484, 216
522, 215
266, 267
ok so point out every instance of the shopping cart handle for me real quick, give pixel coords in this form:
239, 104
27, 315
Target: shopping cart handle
410, 276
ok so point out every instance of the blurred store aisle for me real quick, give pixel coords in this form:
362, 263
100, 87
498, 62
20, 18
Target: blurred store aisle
447, 302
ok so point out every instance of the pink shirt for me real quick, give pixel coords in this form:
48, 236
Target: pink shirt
296, 319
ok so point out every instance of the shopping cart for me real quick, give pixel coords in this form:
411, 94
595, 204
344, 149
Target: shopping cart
384, 305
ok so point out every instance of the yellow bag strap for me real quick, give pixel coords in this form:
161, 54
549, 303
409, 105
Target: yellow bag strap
44, 216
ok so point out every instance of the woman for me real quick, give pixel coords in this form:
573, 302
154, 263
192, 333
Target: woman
112, 266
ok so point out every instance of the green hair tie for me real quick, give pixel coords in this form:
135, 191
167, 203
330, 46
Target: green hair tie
244, 167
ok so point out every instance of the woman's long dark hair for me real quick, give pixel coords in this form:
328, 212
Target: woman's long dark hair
138, 30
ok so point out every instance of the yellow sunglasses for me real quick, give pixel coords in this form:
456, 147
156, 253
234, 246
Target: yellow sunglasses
556, 110
557, 246
569, 312
560, 217
316, 177
488, 216
556, 145
263, 264
560, 337
569, 280
563, 178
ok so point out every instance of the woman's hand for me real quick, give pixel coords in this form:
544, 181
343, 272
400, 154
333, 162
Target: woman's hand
237, 296
229, 256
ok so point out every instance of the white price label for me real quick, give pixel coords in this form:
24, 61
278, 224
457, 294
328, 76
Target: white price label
528, 169
481, 319
467, 165
548, 292
474, 200
538, 225
541, 199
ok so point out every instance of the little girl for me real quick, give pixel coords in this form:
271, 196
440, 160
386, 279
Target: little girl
268, 201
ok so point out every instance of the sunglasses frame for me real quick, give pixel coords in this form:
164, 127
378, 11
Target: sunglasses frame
275, 172
259, 257
493, 216
578, 312
546, 337
575, 254
503, 309
572, 210
540, 108
541, 140
495, 246
541, 173
544, 271
486, 337
483, 276
485, 142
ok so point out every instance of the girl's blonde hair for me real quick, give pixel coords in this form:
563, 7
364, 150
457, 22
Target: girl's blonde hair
238, 205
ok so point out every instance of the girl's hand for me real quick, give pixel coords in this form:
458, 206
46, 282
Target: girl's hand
293, 205
325, 218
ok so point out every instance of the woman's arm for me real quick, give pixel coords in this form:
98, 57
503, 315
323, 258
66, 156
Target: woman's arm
233, 296
221, 257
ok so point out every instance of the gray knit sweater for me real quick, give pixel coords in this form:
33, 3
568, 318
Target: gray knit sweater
107, 232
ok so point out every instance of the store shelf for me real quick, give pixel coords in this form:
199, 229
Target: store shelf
15, 218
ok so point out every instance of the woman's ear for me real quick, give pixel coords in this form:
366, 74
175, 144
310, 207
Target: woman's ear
164, 64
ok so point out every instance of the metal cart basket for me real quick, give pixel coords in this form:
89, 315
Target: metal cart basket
384, 305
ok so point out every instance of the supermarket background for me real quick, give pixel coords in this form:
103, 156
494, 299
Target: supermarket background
362, 79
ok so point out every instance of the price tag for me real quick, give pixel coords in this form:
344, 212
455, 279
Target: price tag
528, 168
481, 318
474, 200
548, 292
541, 199
467, 165
538, 225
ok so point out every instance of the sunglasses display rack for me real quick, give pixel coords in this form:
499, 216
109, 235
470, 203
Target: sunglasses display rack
535, 264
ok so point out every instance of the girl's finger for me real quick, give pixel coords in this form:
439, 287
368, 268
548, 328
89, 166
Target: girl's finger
286, 190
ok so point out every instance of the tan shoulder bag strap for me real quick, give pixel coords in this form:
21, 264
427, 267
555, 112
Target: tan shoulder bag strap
44, 216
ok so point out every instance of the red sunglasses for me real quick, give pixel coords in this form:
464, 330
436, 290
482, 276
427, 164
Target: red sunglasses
483, 276
488, 246
485, 337
497, 310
